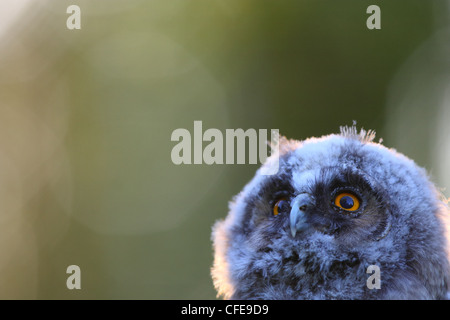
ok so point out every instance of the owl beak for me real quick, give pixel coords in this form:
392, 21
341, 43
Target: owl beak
298, 212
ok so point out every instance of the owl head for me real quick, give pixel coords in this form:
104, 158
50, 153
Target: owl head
337, 205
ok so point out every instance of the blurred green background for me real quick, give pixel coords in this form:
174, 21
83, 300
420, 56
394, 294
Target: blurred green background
86, 118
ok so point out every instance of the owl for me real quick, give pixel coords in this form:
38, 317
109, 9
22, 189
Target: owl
339, 207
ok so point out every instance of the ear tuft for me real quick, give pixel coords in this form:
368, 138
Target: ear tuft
363, 135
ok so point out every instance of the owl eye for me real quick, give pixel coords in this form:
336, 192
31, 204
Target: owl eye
347, 201
280, 206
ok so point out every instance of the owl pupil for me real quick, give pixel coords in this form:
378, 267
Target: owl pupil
346, 202
282, 205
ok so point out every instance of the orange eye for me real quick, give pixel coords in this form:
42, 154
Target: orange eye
347, 201
280, 206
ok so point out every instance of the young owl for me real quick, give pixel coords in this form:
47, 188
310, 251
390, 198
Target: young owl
337, 205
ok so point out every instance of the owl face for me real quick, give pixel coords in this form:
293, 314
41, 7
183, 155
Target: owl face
337, 205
